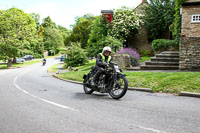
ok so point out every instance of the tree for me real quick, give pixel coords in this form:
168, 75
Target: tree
99, 31
17, 31
47, 22
51, 36
63, 31
52, 39
125, 24
81, 30
36, 17
159, 16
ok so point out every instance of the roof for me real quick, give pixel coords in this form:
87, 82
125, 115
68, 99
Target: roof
106, 11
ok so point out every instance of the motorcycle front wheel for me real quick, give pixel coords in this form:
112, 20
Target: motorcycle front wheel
119, 88
86, 89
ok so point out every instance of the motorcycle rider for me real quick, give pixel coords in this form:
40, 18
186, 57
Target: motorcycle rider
102, 61
44, 61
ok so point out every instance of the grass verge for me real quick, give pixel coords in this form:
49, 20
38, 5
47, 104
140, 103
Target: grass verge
167, 82
53, 68
4, 66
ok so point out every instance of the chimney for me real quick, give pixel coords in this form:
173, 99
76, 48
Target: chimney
143, 1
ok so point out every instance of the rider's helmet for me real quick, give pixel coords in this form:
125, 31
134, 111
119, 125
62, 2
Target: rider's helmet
106, 49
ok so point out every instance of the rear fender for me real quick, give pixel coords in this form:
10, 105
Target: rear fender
84, 76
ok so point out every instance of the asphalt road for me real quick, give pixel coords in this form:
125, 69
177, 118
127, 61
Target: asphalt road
32, 101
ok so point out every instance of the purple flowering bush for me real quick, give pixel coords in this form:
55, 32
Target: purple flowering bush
135, 57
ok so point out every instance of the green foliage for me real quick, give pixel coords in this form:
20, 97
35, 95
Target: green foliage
36, 55
52, 37
47, 22
164, 44
159, 16
81, 31
36, 17
177, 22
126, 23
64, 32
17, 33
99, 32
145, 53
75, 56
110, 41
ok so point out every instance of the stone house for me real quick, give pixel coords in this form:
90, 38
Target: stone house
189, 56
140, 41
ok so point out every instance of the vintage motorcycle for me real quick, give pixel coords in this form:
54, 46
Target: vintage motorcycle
112, 81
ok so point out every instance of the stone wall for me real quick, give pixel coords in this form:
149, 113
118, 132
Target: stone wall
190, 39
122, 60
189, 56
190, 29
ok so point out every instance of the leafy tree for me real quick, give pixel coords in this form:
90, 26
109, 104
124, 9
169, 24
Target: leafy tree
17, 31
36, 17
81, 31
125, 24
99, 32
112, 42
159, 16
47, 22
52, 38
63, 31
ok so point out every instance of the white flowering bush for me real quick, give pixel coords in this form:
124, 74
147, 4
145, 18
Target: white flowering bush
125, 22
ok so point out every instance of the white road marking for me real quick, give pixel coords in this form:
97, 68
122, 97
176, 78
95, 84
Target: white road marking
41, 99
72, 109
148, 129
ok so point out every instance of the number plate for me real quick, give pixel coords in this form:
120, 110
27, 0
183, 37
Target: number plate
116, 68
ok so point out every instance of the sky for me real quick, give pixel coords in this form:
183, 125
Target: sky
63, 12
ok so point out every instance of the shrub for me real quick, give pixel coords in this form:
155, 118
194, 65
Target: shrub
164, 44
145, 53
126, 22
36, 55
75, 56
135, 57
115, 44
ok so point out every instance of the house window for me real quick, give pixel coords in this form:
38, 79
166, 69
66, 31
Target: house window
195, 18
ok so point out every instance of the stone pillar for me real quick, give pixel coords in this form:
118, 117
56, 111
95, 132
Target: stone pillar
122, 60
190, 37
189, 56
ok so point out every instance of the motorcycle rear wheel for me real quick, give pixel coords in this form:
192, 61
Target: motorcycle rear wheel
119, 88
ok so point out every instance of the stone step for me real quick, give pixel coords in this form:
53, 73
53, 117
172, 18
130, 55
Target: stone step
168, 55
133, 68
161, 63
163, 59
170, 52
158, 67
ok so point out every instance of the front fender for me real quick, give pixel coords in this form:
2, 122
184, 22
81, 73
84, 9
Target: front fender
121, 74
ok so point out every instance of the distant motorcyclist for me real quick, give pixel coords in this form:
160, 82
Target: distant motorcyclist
44, 61
102, 61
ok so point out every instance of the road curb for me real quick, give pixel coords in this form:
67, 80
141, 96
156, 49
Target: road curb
129, 88
189, 94
140, 89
